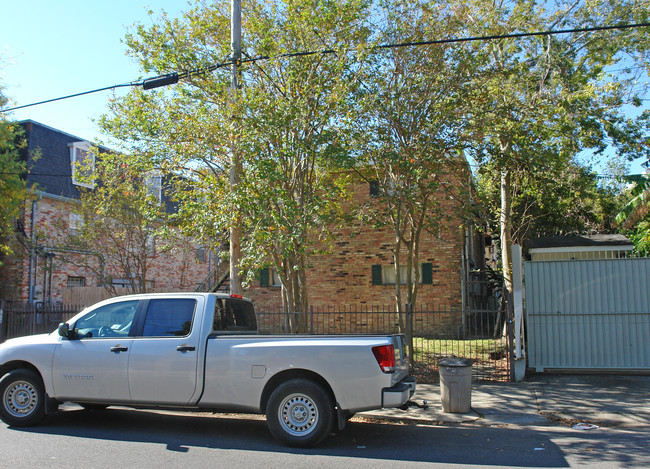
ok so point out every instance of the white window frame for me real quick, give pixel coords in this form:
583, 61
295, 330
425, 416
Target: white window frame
274, 278
74, 281
151, 245
75, 149
76, 222
388, 276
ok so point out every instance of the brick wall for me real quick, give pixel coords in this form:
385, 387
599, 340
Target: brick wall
170, 270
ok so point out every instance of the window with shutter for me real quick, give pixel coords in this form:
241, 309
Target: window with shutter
264, 277
376, 275
427, 273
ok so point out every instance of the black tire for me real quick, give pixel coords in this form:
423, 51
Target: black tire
300, 413
22, 398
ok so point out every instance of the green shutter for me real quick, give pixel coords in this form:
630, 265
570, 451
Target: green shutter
376, 275
374, 188
264, 277
427, 273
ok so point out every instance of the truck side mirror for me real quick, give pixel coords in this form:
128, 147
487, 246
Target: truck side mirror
64, 330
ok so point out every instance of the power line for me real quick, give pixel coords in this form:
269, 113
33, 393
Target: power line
517, 35
455, 40
147, 84
174, 77
67, 97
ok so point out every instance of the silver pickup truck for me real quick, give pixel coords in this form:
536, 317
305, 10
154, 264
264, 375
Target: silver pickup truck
201, 352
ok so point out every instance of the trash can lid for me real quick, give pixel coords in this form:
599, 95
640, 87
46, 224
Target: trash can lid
455, 361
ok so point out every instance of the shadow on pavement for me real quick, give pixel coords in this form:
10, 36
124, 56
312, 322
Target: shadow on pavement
410, 443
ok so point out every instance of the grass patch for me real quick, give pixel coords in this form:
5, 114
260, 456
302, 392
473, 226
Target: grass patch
480, 350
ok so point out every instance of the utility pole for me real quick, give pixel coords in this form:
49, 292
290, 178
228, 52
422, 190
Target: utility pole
235, 161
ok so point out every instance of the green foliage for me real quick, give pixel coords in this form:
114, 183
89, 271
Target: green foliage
554, 199
522, 108
634, 217
410, 131
639, 196
13, 191
119, 217
283, 124
539, 101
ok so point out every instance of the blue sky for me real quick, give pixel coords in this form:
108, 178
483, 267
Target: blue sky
53, 48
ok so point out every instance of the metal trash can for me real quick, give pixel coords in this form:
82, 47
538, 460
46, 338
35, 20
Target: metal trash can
456, 384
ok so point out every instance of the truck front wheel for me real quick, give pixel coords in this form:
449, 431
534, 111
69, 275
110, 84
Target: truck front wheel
300, 413
23, 398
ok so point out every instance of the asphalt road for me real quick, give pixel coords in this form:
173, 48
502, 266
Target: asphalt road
145, 439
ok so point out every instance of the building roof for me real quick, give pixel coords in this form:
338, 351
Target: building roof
48, 158
598, 240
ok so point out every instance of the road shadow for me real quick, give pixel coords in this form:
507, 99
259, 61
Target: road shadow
180, 433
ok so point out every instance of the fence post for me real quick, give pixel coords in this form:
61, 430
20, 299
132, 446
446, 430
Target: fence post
2, 322
511, 335
311, 319
409, 334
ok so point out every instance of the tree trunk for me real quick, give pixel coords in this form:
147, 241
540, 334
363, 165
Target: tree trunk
506, 228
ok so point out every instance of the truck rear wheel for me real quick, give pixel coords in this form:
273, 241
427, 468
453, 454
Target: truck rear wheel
22, 398
300, 413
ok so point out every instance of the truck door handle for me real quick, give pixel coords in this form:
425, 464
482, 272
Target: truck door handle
185, 348
119, 348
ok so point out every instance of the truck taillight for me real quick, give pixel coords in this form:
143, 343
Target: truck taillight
385, 356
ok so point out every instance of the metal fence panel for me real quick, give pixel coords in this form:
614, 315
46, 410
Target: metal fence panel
588, 314
437, 334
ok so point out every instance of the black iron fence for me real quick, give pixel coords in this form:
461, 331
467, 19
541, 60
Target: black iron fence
18, 319
432, 333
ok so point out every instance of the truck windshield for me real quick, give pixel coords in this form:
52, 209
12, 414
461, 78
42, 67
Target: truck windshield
233, 314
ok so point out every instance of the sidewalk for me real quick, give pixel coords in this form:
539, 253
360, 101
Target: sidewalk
603, 400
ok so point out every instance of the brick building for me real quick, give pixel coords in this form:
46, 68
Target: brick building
40, 269
358, 270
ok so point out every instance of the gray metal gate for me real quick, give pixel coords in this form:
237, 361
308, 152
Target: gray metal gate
588, 314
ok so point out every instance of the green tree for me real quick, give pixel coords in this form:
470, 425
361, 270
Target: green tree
634, 216
550, 97
285, 121
557, 198
119, 217
13, 190
411, 134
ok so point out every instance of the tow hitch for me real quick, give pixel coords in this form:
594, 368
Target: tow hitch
410, 403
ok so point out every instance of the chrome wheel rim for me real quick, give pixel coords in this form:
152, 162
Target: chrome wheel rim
20, 399
298, 414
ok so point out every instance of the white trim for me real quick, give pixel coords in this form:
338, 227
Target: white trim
85, 147
622, 247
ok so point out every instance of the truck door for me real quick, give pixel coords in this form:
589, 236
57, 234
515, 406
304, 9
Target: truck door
164, 356
93, 366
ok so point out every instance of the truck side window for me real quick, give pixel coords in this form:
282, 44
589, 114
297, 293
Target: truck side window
169, 317
112, 320
233, 314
